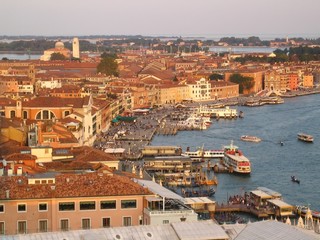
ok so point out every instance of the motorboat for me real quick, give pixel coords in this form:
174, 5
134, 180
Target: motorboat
248, 138
305, 137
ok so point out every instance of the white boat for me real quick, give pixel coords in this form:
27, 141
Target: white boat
201, 153
248, 138
235, 160
305, 137
226, 112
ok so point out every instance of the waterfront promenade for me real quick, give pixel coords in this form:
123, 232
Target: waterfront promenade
133, 136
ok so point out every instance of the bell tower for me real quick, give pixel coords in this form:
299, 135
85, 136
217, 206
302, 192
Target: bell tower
75, 48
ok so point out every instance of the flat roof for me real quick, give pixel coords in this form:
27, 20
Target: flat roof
261, 194
201, 230
114, 150
279, 203
193, 200
269, 191
272, 230
158, 189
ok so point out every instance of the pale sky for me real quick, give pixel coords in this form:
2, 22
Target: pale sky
279, 18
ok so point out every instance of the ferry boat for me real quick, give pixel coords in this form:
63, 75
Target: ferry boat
235, 160
248, 138
305, 137
226, 112
201, 153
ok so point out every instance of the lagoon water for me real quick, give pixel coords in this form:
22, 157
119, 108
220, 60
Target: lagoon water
272, 164
15, 56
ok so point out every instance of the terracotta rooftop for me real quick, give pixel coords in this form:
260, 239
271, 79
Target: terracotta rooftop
90, 154
7, 102
56, 102
69, 186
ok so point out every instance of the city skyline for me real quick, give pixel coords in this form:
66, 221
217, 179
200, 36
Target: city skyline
206, 18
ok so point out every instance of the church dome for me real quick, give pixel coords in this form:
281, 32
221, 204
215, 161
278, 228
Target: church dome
59, 45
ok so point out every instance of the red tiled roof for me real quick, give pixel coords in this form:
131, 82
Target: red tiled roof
90, 154
47, 102
69, 186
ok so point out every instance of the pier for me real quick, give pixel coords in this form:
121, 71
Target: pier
262, 213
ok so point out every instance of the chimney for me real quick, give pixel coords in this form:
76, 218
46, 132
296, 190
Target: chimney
7, 194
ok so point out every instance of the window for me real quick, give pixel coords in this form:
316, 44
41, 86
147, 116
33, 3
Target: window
66, 113
45, 114
86, 223
22, 227
1, 208
43, 225
22, 208
66, 206
1, 228
126, 221
89, 205
25, 114
128, 203
64, 224
43, 207
111, 204
165, 221
106, 222
12, 114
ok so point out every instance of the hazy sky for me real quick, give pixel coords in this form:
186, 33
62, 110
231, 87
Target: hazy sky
164, 17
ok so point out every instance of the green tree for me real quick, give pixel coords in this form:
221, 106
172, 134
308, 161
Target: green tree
57, 56
216, 76
245, 83
108, 65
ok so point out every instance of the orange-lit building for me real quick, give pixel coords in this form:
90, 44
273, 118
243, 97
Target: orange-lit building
60, 202
307, 80
257, 75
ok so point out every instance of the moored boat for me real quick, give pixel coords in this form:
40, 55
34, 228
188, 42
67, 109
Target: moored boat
235, 160
201, 153
248, 138
200, 192
305, 137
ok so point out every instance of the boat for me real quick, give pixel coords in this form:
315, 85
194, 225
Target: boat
202, 179
201, 153
294, 179
201, 192
305, 137
248, 138
235, 160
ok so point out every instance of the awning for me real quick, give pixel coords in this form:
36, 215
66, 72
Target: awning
158, 189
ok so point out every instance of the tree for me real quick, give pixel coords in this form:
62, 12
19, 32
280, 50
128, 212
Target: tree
108, 65
216, 76
57, 56
245, 83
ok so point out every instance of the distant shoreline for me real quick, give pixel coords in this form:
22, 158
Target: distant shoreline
22, 52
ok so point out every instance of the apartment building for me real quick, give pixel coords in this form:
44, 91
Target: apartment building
62, 202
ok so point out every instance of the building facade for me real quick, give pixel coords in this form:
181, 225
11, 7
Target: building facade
69, 202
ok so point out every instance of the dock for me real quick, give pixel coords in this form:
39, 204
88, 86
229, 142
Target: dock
263, 213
